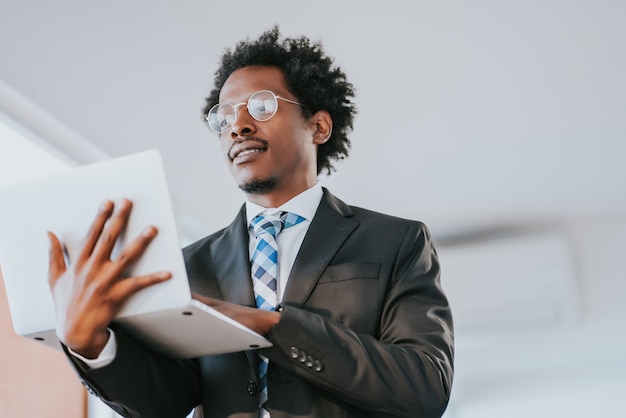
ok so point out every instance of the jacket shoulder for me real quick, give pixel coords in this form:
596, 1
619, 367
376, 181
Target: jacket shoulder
360, 214
203, 243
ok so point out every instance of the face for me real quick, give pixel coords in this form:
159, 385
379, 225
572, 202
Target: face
272, 160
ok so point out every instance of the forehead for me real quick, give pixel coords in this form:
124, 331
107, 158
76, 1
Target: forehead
245, 81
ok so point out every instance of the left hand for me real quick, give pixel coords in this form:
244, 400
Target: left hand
257, 320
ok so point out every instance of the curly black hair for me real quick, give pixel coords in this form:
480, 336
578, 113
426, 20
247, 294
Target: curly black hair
311, 76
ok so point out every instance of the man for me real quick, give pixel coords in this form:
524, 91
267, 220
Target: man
363, 328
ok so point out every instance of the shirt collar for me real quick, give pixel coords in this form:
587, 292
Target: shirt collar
305, 204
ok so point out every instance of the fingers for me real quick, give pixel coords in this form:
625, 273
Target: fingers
212, 302
127, 287
206, 300
56, 259
133, 251
95, 230
108, 235
200, 298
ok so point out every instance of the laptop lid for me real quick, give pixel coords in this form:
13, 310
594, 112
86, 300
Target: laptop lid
163, 315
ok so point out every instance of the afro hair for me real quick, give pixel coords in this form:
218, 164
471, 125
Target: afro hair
311, 76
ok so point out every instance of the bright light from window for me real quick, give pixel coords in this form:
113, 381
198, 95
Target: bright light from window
22, 159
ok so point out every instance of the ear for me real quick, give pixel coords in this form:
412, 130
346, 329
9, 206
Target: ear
323, 126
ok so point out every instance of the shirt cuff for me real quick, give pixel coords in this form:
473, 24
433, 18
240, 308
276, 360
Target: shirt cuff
106, 357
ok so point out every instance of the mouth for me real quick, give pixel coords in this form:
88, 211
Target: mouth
243, 150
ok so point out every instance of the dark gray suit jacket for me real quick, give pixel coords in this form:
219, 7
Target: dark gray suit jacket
365, 331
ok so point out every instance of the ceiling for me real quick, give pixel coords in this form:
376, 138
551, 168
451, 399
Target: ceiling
500, 124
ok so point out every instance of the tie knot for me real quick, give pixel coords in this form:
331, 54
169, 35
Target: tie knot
273, 224
267, 224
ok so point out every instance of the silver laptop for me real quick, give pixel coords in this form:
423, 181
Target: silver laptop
164, 316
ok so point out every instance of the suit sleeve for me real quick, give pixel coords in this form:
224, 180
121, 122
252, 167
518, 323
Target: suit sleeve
405, 368
141, 383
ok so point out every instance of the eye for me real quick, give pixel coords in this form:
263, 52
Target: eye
226, 120
262, 105
225, 116
261, 109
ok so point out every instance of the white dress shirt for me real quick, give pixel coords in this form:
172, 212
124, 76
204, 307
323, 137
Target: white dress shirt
289, 241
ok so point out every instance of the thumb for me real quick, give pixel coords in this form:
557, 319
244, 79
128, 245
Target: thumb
57, 260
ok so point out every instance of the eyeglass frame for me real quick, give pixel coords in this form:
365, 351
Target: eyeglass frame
236, 106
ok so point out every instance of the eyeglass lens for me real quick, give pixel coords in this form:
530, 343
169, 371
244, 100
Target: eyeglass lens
262, 105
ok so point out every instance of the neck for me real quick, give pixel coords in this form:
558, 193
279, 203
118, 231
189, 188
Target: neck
269, 200
275, 198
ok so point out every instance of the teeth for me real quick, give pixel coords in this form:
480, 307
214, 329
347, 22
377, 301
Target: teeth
245, 152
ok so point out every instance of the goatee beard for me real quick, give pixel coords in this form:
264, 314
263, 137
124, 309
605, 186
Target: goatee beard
258, 186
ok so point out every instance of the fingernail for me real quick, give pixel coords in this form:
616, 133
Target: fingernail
149, 232
105, 205
123, 205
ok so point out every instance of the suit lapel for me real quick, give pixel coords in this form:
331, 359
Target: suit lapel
232, 264
232, 270
329, 229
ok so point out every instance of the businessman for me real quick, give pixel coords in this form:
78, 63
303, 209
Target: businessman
351, 299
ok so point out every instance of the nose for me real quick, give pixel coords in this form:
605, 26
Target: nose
243, 124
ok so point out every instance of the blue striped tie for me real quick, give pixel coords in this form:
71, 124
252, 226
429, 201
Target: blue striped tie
265, 278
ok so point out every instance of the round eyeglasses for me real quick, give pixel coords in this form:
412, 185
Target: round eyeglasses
262, 105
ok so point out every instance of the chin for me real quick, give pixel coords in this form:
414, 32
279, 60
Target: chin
259, 186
